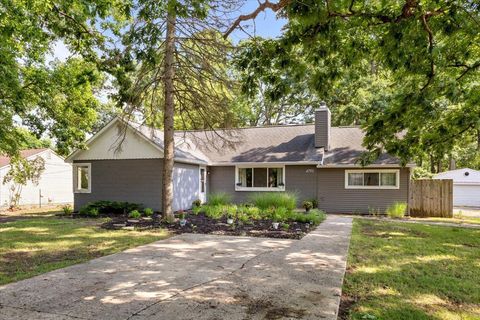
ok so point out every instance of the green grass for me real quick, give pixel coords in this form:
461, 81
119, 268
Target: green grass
34, 246
219, 198
413, 271
458, 218
397, 210
267, 200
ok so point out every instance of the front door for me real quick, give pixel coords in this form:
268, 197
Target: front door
203, 184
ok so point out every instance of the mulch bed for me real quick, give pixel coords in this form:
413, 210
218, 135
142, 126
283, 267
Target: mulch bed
205, 225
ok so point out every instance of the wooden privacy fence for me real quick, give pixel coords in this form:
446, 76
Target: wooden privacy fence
431, 198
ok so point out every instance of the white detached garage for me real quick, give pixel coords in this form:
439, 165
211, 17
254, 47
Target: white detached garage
466, 186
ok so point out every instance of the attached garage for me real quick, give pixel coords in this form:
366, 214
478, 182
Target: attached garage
466, 186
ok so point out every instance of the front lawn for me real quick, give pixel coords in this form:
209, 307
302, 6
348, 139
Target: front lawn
412, 271
457, 218
30, 247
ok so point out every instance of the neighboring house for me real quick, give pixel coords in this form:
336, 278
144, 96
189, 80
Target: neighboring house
466, 186
55, 184
316, 161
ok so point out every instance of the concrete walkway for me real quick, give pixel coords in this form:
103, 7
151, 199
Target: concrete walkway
195, 276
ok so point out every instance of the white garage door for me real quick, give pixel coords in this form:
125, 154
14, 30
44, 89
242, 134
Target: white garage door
466, 195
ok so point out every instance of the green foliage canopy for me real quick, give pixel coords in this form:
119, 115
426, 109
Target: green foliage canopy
428, 51
50, 98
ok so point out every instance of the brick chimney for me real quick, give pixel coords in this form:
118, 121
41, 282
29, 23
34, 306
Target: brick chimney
322, 127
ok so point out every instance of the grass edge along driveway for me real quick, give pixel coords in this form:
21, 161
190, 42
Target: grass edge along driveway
411, 271
29, 247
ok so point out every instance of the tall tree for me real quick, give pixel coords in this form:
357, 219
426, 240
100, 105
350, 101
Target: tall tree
276, 91
174, 67
53, 99
430, 49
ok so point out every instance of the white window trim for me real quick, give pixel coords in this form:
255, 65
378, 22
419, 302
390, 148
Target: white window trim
200, 168
396, 171
275, 189
75, 178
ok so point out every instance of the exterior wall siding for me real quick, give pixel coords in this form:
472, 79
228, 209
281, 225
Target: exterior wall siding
326, 185
55, 184
299, 179
186, 185
334, 198
137, 180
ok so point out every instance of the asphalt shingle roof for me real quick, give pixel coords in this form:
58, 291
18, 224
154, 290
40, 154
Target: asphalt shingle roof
283, 143
288, 143
5, 161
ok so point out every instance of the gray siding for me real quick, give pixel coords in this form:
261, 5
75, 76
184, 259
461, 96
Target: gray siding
186, 185
322, 128
334, 198
138, 181
327, 185
299, 179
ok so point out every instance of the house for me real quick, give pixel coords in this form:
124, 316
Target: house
466, 186
55, 184
317, 161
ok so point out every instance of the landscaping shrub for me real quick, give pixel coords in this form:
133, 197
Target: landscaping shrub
281, 214
114, 207
148, 212
219, 198
266, 200
314, 217
213, 211
67, 209
249, 211
230, 211
134, 214
197, 210
196, 203
313, 201
92, 212
307, 205
243, 216
397, 210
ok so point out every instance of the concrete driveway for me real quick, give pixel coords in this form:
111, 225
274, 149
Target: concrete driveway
195, 276
471, 212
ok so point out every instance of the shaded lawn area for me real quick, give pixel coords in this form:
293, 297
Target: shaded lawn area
412, 271
29, 247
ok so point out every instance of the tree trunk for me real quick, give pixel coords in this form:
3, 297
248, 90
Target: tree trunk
169, 144
478, 140
452, 165
432, 164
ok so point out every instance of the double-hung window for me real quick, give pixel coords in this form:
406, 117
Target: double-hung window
372, 179
82, 175
271, 178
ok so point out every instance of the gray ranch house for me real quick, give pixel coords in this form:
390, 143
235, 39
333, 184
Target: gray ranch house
123, 162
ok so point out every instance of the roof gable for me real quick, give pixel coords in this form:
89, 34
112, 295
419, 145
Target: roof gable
279, 144
118, 141
461, 176
28, 153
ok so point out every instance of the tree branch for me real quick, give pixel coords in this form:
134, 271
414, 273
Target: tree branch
262, 7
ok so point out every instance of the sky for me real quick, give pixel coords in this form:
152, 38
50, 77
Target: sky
266, 25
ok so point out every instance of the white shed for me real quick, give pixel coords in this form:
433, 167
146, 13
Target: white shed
466, 186
55, 185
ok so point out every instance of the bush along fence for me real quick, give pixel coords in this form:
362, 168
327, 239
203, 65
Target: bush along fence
431, 198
